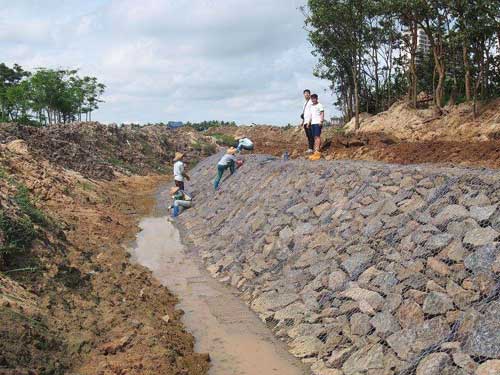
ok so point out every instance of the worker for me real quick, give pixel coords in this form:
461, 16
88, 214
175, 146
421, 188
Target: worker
181, 200
228, 161
244, 143
179, 173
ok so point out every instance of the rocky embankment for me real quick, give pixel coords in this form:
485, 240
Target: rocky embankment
362, 268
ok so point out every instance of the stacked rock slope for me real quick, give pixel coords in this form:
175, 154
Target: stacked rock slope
362, 268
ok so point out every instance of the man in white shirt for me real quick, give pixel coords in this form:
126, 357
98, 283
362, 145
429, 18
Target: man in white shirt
179, 174
315, 120
306, 111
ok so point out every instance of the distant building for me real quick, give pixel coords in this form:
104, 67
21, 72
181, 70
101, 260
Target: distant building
175, 124
423, 45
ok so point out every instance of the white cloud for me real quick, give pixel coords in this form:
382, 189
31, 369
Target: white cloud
239, 60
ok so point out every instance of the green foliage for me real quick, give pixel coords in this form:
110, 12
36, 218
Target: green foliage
370, 52
22, 198
224, 139
47, 95
205, 125
19, 233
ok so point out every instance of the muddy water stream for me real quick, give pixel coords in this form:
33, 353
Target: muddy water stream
238, 342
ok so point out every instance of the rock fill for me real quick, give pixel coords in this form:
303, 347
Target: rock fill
362, 268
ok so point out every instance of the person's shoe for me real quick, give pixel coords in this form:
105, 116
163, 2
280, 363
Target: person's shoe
309, 151
315, 156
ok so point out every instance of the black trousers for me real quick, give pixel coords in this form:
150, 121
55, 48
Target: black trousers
179, 184
310, 137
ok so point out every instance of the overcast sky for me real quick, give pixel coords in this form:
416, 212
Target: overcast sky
190, 60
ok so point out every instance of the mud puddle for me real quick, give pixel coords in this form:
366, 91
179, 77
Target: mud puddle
238, 342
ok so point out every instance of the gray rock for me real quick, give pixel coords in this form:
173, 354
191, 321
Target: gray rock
273, 301
305, 346
437, 303
482, 213
385, 324
484, 340
433, 364
357, 263
482, 259
365, 359
452, 212
360, 324
480, 236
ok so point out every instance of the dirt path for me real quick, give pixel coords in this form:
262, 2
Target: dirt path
238, 342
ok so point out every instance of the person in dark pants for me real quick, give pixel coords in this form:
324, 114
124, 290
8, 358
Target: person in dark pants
306, 110
228, 161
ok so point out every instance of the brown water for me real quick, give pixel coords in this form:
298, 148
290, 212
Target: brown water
238, 342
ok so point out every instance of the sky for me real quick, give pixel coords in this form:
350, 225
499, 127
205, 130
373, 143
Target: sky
173, 60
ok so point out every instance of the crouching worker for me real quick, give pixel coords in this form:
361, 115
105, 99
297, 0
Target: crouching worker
181, 200
244, 144
228, 161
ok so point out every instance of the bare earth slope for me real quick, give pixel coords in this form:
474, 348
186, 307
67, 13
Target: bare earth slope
70, 300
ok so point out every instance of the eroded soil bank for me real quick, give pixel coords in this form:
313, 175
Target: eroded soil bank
236, 340
72, 302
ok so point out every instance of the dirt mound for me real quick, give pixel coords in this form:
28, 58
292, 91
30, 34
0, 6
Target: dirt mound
70, 300
387, 146
105, 151
457, 123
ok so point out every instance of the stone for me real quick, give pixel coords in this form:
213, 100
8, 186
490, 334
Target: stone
273, 301
357, 263
438, 241
433, 364
305, 346
484, 338
410, 314
165, 318
464, 361
293, 311
336, 280
373, 299
489, 368
365, 359
437, 303
360, 324
482, 213
437, 266
482, 259
456, 252
385, 324
401, 342
480, 236
318, 210
319, 368
338, 357
452, 212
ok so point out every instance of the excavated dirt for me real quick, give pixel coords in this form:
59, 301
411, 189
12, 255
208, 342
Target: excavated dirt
105, 151
372, 147
400, 135
72, 302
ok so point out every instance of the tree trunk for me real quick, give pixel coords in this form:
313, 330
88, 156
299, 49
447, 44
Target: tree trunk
413, 66
467, 73
356, 96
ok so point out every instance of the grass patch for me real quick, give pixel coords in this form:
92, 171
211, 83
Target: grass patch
22, 198
86, 186
224, 139
19, 234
